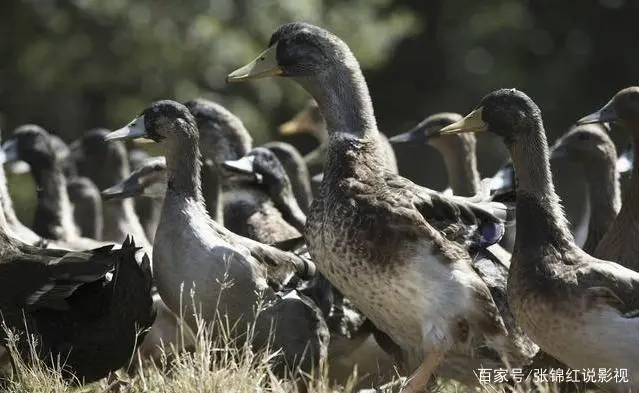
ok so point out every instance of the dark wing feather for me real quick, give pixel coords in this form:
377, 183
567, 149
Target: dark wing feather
459, 219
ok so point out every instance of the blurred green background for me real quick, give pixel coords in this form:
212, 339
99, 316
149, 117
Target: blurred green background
71, 65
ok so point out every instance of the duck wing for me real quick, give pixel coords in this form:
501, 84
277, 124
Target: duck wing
606, 282
34, 281
468, 221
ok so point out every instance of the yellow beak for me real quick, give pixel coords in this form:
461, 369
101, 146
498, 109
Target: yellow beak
301, 122
265, 65
471, 123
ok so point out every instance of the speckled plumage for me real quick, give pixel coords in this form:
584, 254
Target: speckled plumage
310, 119
398, 251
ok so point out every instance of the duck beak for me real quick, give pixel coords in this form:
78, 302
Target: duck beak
264, 65
289, 128
244, 167
607, 114
415, 135
134, 129
471, 123
626, 161
127, 188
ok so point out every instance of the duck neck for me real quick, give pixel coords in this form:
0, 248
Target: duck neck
53, 215
212, 191
184, 164
461, 163
287, 204
344, 100
345, 103
541, 223
604, 194
321, 133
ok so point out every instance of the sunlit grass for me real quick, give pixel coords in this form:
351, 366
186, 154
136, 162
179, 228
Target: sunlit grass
216, 365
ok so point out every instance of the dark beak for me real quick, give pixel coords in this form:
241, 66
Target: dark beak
607, 114
415, 135
126, 189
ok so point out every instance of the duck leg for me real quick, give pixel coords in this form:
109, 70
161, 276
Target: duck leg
421, 376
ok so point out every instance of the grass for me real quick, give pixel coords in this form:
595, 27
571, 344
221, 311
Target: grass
229, 370
217, 363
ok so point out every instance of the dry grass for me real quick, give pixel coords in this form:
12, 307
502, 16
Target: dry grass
217, 364
229, 370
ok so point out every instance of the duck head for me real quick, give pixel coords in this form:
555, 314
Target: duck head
508, 113
585, 144
623, 109
161, 121
223, 135
260, 166
32, 145
428, 130
149, 180
101, 160
294, 50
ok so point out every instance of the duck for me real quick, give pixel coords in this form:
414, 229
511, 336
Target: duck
247, 209
577, 308
223, 136
83, 194
352, 341
618, 243
264, 208
310, 119
591, 149
296, 170
458, 152
573, 188
148, 180
89, 308
147, 209
195, 255
54, 213
87, 207
381, 240
168, 333
92, 153
15, 227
